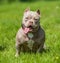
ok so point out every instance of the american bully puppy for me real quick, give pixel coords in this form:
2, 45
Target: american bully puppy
30, 37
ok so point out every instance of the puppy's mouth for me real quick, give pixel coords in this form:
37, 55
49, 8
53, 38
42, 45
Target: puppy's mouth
27, 29
30, 27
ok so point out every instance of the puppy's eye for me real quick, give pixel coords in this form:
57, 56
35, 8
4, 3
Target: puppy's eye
26, 18
35, 19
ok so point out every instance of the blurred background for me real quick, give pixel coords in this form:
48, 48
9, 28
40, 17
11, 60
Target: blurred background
10, 1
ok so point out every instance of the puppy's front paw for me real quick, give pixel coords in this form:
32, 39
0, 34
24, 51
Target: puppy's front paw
16, 55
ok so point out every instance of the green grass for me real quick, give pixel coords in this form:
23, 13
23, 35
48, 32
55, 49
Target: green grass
10, 21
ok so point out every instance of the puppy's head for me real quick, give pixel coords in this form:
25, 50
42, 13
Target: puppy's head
31, 20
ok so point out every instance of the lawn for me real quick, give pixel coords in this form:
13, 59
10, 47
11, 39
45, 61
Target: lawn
10, 21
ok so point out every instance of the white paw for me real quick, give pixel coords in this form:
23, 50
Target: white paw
16, 55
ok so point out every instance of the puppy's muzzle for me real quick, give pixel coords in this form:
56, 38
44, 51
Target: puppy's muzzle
30, 23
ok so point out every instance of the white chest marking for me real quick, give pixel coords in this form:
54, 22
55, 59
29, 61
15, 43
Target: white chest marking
30, 35
30, 42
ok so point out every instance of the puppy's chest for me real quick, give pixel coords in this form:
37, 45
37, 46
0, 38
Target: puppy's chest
30, 41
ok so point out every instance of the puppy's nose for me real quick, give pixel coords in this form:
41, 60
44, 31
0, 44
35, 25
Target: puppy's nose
30, 22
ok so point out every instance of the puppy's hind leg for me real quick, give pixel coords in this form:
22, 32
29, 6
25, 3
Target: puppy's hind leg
40, 49
18, 49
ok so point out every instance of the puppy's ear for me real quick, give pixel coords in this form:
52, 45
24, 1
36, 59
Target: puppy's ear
38, 11
28, 9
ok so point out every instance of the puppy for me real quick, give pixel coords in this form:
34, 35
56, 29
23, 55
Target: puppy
31, 36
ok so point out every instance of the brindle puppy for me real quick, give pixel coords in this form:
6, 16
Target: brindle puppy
31, 36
